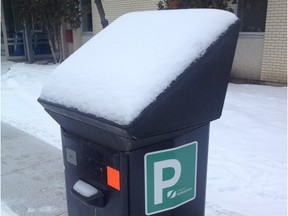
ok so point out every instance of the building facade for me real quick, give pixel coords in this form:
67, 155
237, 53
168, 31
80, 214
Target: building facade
13, 44
274, 58
261, 53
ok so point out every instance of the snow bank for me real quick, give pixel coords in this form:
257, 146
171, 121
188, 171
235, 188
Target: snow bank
20, 89
123, 69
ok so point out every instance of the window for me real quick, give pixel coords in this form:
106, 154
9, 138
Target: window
252, 14
86, 16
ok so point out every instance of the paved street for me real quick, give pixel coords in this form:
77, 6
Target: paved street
32, 175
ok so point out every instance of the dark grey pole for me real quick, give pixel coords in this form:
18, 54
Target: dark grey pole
104, 21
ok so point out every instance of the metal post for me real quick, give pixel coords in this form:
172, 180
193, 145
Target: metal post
104, 21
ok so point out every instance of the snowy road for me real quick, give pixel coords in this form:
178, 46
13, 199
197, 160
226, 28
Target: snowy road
247, 172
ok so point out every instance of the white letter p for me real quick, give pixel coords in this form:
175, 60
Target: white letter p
159, 183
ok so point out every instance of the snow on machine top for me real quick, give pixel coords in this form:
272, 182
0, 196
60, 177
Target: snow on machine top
125, 67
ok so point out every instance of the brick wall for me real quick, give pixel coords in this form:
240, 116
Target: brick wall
274, 62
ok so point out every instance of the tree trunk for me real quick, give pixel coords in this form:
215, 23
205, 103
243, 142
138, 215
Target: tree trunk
51, 42
59, 42
104, 21
55, 41
28, 42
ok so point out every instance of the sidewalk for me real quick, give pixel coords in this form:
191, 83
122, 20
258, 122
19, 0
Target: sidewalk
32, 175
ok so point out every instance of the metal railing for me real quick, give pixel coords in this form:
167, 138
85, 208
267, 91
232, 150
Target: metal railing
17, 47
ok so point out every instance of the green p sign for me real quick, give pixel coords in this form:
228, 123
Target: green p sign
170, 178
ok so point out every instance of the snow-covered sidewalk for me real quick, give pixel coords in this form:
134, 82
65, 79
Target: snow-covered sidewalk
247, 172
21, 87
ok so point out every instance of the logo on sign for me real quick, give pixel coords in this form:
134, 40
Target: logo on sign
170, 178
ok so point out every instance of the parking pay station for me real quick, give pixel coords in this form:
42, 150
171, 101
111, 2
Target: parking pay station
134, 105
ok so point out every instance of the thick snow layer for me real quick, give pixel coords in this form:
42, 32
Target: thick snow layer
84, 189
122, 70
247, 170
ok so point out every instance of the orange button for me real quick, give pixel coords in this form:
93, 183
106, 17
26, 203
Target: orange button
113, 178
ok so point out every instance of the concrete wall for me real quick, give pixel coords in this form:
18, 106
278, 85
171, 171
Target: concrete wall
248, 56
77, 40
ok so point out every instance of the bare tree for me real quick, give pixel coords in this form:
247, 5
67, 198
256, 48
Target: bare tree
51, 13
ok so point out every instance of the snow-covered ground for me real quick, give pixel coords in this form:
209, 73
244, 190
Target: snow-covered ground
247, 173
21, 87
